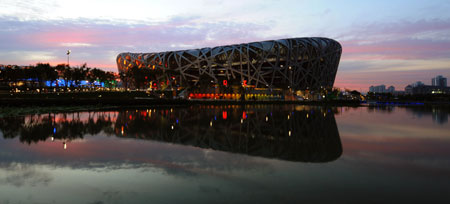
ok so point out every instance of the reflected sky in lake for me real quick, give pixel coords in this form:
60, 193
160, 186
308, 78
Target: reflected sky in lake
227, 154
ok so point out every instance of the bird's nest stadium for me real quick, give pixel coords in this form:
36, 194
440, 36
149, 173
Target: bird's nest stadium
269, 67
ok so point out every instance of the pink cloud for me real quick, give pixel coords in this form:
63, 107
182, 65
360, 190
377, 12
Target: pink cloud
382, 53
399, 49
423, 39
98, 43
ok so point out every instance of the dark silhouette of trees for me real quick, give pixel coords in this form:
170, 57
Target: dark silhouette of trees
44, 72
43, 75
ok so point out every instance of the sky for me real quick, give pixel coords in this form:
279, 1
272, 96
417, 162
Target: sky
391, 42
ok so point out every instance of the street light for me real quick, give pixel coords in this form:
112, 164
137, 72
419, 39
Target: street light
68, 53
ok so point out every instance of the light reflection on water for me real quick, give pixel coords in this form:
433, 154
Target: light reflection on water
266, 154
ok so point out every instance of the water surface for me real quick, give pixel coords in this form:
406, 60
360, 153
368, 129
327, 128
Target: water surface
227, 154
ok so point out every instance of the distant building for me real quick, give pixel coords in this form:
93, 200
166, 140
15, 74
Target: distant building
409, 89
418, 83
378, 89
438, 86
439, 81
425, 89
390, 89
382, 89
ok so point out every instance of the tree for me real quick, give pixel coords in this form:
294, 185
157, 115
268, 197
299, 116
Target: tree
97, 75
80, 74
44, 72
110, 79
355, 92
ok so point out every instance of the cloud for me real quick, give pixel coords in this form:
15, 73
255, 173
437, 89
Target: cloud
31, 56
422, 39
394, 65
79, 44
401, 49
397, 52
97, 42
396, 29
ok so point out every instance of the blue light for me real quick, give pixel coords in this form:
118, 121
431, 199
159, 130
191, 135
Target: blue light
54, 130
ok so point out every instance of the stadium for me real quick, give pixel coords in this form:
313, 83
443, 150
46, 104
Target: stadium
267, 69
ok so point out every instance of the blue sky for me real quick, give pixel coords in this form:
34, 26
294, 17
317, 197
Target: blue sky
384, 42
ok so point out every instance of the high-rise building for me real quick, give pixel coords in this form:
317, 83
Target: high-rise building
439, 81
378, 89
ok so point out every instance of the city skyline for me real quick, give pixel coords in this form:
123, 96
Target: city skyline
383, 42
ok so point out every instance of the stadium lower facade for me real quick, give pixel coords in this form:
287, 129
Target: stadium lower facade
294, 64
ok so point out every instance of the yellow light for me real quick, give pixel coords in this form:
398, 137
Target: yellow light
289, 133
210, 123
307, 115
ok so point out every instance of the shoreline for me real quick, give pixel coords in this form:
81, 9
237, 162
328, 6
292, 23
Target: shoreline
33, 103
134, 99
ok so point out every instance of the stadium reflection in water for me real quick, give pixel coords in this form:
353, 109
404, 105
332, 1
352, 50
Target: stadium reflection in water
301, 133
307, 135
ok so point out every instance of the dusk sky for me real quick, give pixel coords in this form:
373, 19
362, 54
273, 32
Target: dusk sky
389, 42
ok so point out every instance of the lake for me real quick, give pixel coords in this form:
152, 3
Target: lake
228, 154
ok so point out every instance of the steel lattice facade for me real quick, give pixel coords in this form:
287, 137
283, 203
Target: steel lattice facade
297, 63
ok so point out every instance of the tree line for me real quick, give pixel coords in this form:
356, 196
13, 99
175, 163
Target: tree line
39, 75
